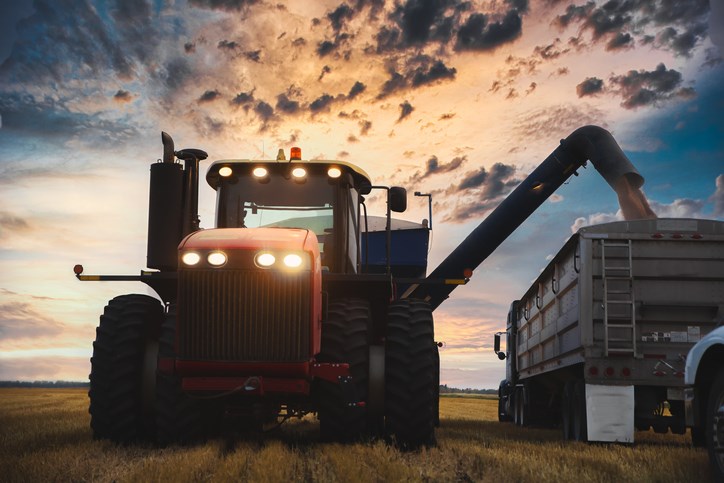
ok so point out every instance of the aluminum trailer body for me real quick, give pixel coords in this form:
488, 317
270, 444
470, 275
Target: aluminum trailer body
599, 341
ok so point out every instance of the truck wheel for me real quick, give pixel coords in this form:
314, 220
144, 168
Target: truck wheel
410, 374
179, 417
567, 411
579, 427
124, 353
715, 426
345, 338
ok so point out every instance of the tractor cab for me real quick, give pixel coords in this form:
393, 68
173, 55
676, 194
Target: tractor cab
321, 196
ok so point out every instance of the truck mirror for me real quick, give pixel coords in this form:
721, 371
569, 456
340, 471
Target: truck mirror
398, 199
501, 356
496, 343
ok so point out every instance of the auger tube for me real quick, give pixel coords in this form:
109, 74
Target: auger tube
586, 143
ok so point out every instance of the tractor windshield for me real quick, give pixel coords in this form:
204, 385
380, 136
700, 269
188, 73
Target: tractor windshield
277, 201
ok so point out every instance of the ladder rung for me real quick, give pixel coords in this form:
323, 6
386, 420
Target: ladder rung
621, 326
619, 292
615, 244
617, 278
620, 302
612, 349
619, 269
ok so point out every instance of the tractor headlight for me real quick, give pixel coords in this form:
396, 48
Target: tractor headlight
293, 260
216, 259
265, 259
191, 258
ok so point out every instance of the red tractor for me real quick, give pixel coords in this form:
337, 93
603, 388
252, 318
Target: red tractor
289, 306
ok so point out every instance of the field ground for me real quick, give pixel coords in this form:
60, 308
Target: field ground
45, 436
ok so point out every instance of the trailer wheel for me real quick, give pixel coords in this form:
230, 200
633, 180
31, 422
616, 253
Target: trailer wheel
345, 338
579, 427
410, 374
179, 417
715, 426
124, 354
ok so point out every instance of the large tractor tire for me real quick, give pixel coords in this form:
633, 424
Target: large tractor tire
410, 374
122, 368
180, 418
345, 338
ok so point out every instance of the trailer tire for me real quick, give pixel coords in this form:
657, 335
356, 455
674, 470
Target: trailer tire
121, 398
179, 417
410, 374
580, 424
715, 426
345, 338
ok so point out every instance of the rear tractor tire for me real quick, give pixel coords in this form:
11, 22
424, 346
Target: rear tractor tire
410, 367
345, 338
123, 367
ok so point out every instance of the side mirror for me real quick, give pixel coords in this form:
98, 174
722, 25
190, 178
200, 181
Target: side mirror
496, 346
364, 188
398, 199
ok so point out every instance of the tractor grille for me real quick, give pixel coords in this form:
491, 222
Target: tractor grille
243, 315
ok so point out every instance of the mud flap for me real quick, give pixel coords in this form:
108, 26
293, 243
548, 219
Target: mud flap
610, 413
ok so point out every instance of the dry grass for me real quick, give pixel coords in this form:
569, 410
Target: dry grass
44, 436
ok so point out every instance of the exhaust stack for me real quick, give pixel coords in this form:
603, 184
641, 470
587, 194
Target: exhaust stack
586, 143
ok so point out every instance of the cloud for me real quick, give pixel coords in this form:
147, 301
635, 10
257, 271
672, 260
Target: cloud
479, 191
645, 88
122, 96
287, 105
339, 16
225, 5
209, 96
589, 87
405, 110
718, 197
12, 223
264, 111
227, 45
433, 167
477, 33
357, 89
554, 123
619, 23
321, 103
19, 320
417, 71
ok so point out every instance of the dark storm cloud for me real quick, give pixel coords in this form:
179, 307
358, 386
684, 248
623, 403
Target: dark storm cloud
405, 110
325, 70
339, 16
209, 96
478, 33
243, 98
53, 119
429, 73
122, 96
589, 87
483, 189
227, 45
190, 47
619, 41
418, 70
175, 74
287, 105
253, 55
264, 111
321, 103
357, 89
550, 51
226, 5
59, 37
433, 167
325, 47
643, 88
683, 22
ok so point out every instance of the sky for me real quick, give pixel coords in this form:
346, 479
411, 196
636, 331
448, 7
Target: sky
459, 99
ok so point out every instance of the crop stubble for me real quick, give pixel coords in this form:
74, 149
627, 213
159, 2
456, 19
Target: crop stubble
45, 436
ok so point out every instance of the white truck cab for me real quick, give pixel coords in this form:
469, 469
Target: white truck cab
704, 396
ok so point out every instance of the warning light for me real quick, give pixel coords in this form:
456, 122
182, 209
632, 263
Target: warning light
78, 269
468, 272
296, 154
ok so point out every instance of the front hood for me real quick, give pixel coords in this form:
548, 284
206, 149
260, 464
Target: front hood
251, 238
